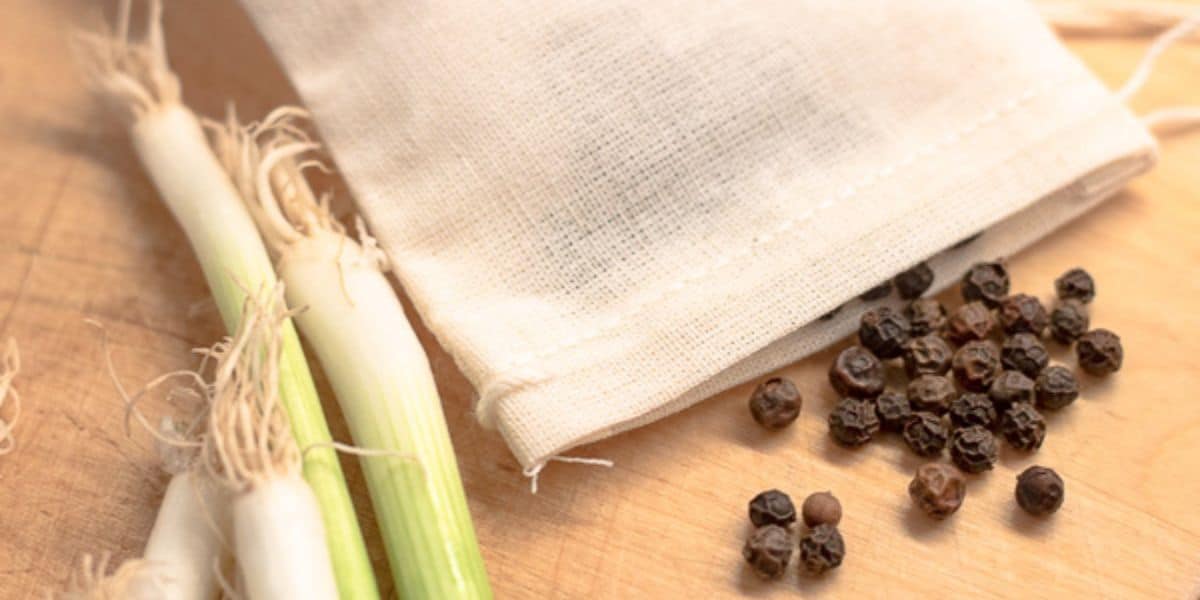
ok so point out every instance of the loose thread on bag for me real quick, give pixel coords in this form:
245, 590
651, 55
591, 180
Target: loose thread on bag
535, 471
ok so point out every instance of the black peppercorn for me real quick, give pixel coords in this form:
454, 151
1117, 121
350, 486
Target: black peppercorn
856, 372
976, 364
1056, 387
768, 551
1076, 284
772, 507
878, 292
926, 434
1023, 427
821, 549
1040, 491
893, 410
1023, 313
775, 403
1068, 321
938, 489
853, 422
883, 331
972, 409
821, 508
1024, 352
973, 449
927, 355
986, 282
925, 316
931, 393
1099, 352
1011, 387
972, 321
913, 282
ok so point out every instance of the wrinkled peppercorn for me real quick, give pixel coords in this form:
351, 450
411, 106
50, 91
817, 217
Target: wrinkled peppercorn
1023, 427
927, 355
925, 316
1024, 352
1011, 387
878, 292
926, 434
856, 372
972, 321
883, 331
821, 508
938, 489
1023, 313
1068, 321
821, 549
976, 364
1076, 284
913, 282
768, 551
1099, 352
973, 449
986, 282
1040, 491
972, 409
893, 410
772, 507
775, 403
1056, 387
853, 422
931, 393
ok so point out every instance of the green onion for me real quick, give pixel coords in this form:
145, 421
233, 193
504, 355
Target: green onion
172, 146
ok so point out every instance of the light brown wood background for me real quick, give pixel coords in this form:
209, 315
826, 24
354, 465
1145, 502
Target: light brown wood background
82, 235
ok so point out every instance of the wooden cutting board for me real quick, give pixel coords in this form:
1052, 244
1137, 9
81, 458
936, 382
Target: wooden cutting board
82, 235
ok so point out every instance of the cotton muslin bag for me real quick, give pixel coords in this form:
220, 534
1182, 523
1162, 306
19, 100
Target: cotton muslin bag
610, 210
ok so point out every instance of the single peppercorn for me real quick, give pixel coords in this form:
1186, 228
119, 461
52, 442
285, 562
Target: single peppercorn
768, 551
938, 489
926, 434
878, 292
1076, 284
772, 507
931, 393
1040, 491
976, 364
927, 355
853, 422
893, 410
1068, 321
1023, 427
1099, 352
821, 549
1011, 387
973, 449
883, 331
821, 508
925, 316
972, 321
913, 282
986, 282
856, 372
1023, 313
1056, 387
973, 409
775, 403
1024, 352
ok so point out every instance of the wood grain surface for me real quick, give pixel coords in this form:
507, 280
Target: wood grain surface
82, 235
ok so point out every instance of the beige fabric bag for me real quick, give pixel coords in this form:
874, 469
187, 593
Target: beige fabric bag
610, 210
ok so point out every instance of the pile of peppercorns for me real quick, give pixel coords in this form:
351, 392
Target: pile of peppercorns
963, 386
769, 548
972, 373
